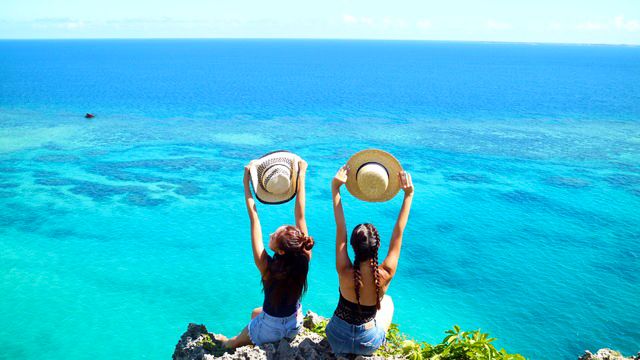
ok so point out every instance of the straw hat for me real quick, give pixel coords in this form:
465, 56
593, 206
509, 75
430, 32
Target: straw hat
373, 176
274, 177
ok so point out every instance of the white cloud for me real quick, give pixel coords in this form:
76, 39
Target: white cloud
628, 25
555, 26
386, 22
618, 23
74, 25
423, 24
349, 19
495, 25
367, 20
632, 25
58, 23
363, 20
592, 26
392, 22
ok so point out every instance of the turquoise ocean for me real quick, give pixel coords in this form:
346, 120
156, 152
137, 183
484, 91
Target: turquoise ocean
117, 231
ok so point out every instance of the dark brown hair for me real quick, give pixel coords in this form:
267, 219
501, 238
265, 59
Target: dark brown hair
286, 275
365, 241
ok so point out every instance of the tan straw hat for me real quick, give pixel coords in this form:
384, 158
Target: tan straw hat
373, 175
274, 177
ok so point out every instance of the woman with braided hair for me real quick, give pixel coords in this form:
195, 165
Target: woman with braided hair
284, 276
363, 315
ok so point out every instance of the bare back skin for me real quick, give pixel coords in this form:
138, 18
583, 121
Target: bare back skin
368, 287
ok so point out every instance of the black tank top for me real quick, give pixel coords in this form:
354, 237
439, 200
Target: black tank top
282, 309
353, 313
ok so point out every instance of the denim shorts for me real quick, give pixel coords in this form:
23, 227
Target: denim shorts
346, 338
265, 328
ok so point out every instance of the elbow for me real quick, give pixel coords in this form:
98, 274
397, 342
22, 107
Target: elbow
390, 271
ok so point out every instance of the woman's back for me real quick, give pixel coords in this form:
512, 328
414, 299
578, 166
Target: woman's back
367, 290
285, 278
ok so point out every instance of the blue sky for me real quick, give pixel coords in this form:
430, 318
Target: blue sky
562, 21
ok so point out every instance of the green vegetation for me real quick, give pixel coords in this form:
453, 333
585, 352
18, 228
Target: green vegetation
320, 328
457, 345
212, 346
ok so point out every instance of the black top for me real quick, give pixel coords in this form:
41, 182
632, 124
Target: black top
282, 309
353, 313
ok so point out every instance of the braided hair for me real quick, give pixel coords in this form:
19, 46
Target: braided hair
365, 241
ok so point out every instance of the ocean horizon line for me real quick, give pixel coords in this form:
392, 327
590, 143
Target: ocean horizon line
328, 39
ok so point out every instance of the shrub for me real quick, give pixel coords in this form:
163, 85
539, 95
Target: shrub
320, 328
457, 345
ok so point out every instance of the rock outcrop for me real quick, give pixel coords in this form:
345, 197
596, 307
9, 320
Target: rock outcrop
199, 344
607, 354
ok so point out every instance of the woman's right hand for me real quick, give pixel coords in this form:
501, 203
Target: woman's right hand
341, 177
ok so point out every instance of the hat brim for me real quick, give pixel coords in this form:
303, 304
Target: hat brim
266, 197
388, 161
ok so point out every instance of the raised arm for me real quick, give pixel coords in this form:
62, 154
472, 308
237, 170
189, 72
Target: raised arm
390, 264
343, 263
259, 254
301, 222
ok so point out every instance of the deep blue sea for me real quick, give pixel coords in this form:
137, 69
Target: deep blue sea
118, 231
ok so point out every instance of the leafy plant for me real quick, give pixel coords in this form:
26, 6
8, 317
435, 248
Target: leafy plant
320, 328
212, 346
457, 345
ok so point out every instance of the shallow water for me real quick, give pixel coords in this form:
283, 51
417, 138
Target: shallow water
116, 232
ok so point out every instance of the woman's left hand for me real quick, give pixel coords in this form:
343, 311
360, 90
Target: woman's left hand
405, 183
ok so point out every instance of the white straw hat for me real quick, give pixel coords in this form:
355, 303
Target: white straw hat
373, 175
274, 177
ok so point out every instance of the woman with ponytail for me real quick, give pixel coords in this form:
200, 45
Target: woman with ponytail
284, 276
363, 315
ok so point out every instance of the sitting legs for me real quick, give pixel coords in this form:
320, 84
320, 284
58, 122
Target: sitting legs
242, 339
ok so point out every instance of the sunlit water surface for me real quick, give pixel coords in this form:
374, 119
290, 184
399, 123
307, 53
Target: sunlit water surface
117, 232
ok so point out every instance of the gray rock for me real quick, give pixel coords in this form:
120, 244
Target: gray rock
311, 320
199, 344
606, 354
189, 346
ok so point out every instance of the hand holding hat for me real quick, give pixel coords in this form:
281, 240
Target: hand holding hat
302, 166
341, 177
406, 183
274, 176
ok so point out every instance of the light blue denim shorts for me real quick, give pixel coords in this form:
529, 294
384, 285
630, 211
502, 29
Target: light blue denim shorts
346, 338
265, 328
